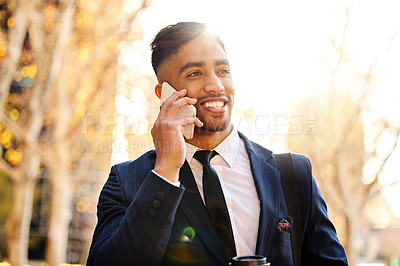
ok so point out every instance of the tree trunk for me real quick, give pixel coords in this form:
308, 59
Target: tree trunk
60, 211
16, 37
349, 243
18, 224
61, 194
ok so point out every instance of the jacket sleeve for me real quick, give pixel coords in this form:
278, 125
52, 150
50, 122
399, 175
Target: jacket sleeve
320, 244
133, 231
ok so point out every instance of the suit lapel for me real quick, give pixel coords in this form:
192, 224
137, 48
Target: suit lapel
193, 207
267, 181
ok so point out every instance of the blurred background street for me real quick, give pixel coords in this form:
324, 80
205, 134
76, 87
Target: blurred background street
319, 78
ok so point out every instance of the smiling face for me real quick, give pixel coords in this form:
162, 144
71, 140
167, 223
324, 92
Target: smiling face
201, 67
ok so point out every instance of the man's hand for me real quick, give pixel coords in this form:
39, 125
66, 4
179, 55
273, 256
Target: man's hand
167, 136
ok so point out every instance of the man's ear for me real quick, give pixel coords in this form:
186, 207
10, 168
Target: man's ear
157, 90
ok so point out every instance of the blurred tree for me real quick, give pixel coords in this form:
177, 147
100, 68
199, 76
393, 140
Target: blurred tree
5, 210
337, 145
21, 159
85, 91
57, 86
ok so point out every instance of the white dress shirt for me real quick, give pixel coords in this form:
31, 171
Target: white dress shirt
232, 165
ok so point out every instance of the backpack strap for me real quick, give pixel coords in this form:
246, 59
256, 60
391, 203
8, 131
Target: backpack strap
292, 195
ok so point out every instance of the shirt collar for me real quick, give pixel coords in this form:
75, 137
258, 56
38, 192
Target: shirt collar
228, 149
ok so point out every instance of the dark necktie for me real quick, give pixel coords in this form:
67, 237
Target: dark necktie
215, 203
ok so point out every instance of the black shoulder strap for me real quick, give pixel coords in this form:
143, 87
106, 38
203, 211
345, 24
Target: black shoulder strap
292, 195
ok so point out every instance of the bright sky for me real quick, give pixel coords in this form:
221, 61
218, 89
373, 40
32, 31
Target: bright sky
276, 48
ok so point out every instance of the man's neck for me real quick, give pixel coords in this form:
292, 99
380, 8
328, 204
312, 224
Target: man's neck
208, 140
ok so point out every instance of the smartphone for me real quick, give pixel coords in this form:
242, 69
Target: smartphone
185, 111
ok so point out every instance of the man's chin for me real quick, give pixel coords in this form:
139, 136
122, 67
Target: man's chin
215, 123
212, 127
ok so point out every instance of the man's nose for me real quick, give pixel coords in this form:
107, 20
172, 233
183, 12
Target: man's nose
213, 84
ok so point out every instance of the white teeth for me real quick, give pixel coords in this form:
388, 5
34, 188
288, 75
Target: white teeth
214, 104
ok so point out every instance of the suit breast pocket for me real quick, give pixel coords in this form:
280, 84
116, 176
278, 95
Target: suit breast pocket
281, 251
282, 237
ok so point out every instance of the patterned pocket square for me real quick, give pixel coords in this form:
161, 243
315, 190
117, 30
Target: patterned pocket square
285, 225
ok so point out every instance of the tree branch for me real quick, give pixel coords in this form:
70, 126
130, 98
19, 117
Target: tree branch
7, 169
369, 186
16, 38
14, 126
96, 53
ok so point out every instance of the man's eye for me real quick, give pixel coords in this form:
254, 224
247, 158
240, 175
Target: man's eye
195, 73
224, 71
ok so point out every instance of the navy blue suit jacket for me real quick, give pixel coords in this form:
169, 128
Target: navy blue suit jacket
144, 220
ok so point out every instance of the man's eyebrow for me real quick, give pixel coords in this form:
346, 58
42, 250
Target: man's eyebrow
191, 64
222, 62
201, 64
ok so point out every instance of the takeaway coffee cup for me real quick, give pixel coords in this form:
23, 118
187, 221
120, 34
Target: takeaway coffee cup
250, 260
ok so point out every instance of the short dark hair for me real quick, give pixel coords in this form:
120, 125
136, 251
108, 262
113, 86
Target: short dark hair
169, 39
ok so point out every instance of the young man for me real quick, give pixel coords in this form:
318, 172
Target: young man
156, 210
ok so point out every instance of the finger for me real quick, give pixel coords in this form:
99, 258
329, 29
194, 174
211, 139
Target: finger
191, 120
173, 108
198, 123
169, 109
176, 95
181, 100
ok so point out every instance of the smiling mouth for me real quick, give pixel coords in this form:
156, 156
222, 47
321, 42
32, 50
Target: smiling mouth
214, 104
